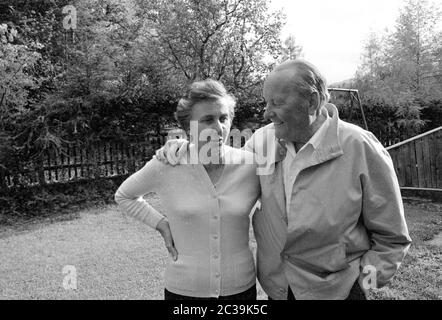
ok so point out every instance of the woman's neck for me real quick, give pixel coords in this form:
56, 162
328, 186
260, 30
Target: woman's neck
212, 166
212, 162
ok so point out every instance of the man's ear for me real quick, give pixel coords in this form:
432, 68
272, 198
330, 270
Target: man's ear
313, 103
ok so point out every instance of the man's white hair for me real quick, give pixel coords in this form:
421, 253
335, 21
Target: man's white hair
306, 78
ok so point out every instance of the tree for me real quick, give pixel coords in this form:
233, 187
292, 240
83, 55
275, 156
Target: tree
17, 64
402, 69
221, 39
120, 72
291, 49
234, 41
414, 47
109, 84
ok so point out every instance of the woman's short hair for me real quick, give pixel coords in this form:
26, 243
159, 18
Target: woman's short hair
205, 90
308, 79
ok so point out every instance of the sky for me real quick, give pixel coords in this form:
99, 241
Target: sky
332, 32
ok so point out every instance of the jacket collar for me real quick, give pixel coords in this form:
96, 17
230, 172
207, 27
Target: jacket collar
329, 146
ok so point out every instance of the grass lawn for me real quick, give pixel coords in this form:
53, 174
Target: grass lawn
420, 275
118, 258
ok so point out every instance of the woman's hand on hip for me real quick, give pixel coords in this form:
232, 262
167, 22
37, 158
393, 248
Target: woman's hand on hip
164, 229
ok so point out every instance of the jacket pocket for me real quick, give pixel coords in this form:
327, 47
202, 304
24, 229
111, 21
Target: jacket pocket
322, 261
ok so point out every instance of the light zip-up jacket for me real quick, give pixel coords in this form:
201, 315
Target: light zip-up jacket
346, 214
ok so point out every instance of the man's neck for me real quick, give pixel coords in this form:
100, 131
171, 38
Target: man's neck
298, 146
314, 127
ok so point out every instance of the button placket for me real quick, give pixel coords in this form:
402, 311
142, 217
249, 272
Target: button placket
215, 249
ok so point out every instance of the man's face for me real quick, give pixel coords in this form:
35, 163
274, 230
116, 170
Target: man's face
287, 109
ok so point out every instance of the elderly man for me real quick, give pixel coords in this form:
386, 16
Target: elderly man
331, 223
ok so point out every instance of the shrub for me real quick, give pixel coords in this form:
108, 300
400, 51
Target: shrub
56, 198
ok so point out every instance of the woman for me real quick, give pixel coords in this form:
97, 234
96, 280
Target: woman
207, 204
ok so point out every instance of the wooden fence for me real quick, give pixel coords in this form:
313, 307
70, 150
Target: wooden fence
418, 161
75, 162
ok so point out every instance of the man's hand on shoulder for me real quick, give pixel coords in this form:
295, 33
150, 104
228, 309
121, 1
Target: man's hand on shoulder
172, 151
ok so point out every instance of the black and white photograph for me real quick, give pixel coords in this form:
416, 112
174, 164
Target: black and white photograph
231, 151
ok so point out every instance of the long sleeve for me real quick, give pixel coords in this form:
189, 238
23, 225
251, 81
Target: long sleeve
129, 195
383, 214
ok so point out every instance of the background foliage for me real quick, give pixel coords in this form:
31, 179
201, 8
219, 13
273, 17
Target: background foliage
400, 77
119, 73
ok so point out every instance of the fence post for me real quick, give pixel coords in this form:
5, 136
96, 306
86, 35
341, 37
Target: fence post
41, 170
96, 157
132, 167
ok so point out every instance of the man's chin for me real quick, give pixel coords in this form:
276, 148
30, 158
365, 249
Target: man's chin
279, 133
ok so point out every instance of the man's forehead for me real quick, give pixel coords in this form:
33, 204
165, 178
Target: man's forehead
284, 73
279, 82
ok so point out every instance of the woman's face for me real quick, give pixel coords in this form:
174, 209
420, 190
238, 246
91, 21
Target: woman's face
213, 119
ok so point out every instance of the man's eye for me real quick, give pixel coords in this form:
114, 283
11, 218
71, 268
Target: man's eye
224, 119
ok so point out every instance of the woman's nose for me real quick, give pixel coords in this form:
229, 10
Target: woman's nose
218, 127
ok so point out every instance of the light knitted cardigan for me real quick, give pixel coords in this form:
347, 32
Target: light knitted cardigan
209, 223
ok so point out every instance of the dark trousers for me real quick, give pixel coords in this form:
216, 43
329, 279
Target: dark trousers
356, 293
249, 294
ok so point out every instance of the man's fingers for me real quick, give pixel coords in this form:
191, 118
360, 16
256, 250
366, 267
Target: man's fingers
172, 154
165, 153
159, 154
182, 151
174, 150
